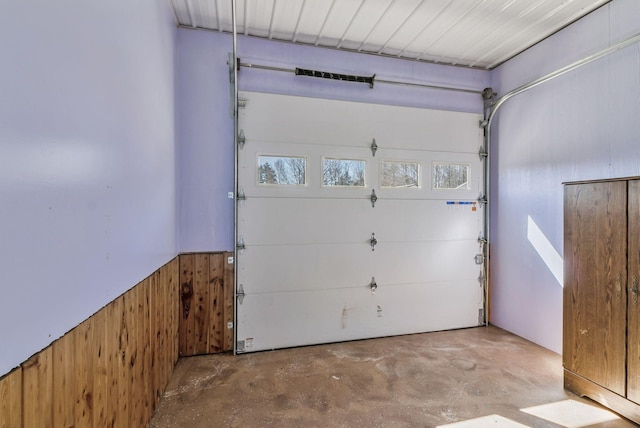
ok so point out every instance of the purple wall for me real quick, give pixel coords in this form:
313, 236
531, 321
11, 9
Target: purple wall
205, 126
87, 161
583, 125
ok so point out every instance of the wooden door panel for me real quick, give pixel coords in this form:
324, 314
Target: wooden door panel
595, 298
633, 339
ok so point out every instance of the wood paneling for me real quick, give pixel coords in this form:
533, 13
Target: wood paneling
109, 371
64, 358
595, 301
83, 379
11, 399
206, 303
229, 299
633, 283
37, 390
216, 284
100, 369
113, 351
172, 315
187, 318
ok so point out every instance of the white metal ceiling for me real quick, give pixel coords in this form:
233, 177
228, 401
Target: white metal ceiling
474, 33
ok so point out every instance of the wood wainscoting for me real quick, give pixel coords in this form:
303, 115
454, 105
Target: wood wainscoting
112, 369
206, 303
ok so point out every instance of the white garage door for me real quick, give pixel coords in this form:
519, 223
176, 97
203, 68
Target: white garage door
319, 260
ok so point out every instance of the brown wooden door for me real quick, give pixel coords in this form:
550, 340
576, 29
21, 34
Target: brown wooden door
206, 304
595, 298
633, 340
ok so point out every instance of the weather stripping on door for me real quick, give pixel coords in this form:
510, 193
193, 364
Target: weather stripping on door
373, 242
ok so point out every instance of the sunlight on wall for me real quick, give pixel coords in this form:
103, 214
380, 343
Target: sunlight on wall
549, 255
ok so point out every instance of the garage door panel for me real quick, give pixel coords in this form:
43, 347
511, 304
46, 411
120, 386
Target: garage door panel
322, 221
307, 263
434, 261
426, 159
314, 267
302, 268
349, 221
434, 306
327, 316
314, 187
318, 121
437, 219
314, 155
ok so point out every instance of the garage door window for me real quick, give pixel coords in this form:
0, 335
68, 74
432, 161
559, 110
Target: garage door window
400, 174
343, 172
450, 176
282, 170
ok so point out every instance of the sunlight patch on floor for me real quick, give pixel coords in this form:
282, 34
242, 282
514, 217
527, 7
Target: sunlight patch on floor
494, 421
571, 414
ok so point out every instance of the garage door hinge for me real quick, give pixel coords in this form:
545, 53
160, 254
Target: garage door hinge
483, 123
482, 240
240, 244
482, 199
240, 294
482, 153
374, 198
241, 196
241, 139
374, 147
373, 285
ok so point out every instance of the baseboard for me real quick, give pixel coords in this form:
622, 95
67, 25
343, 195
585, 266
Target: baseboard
585, 388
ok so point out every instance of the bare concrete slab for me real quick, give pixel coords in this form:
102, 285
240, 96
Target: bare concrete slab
482, 375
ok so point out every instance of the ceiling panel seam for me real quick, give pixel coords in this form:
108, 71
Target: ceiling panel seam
399, 27
353, 18
366, 39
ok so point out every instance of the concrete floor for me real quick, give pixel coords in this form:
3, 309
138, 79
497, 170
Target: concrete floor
423, 380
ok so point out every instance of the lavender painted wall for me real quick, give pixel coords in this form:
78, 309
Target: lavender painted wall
205, 127
87, 161
583, 125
